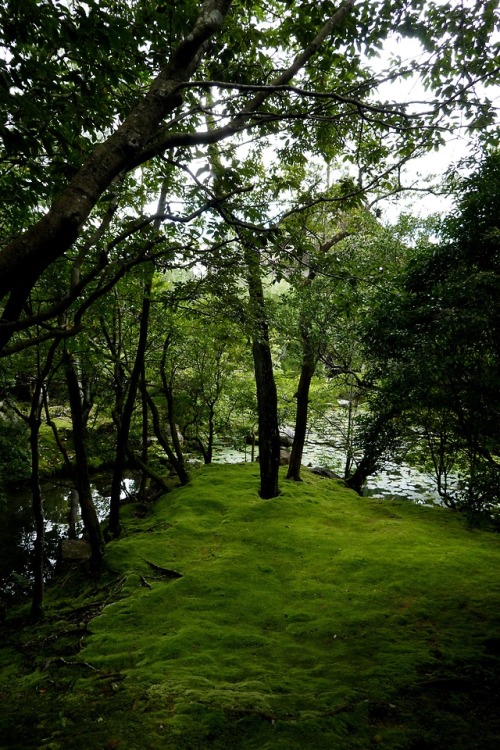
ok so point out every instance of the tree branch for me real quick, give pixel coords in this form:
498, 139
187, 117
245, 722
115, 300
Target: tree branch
29, 255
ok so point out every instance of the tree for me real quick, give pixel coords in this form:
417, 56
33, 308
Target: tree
318, 294
435, 338
197, 75
129, 145
60, 170
81, 472
214, 353
337, 259
44, 358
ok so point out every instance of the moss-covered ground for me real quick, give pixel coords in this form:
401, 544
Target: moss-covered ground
315, 620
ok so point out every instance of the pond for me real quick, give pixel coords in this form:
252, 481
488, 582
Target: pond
17, 535
398, 480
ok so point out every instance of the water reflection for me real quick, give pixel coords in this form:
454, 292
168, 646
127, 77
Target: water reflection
398, 480
16, 529
17, 534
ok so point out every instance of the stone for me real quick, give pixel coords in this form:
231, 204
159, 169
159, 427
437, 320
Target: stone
321, 471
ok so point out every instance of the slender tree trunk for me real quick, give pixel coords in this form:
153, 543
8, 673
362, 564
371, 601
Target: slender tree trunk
168, 391
145, 434
174, 435
306, 374
267, 398
211, 434
34, 421
37, 506
349, 457
82, 476
122, 438
178, 466
138, 375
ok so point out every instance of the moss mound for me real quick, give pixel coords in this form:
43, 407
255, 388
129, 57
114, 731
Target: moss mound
315, 620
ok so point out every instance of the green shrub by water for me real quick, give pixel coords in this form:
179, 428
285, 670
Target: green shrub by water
315, 620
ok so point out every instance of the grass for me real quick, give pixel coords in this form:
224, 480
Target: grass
315, 620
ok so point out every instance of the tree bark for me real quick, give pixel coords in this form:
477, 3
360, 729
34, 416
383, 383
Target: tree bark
82, 476
267, 397
26, 257
306, 374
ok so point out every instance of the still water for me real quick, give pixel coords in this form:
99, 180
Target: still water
399, 480
16, 528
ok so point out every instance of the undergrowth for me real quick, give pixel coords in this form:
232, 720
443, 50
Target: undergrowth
315, 620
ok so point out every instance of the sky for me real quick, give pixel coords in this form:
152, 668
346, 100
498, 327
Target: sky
418, 170
436, 163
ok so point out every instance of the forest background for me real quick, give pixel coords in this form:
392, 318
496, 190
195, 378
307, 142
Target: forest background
266, 276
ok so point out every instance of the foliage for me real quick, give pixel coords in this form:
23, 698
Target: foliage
14, 449
435, 337
219, 108
134, 89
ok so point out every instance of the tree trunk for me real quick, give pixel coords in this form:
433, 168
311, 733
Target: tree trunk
174, 436
34, 420
306, 374
269, 440
145, 436
122, 438
376, 441
82, 476
267, 398
37, 506
211, 434
178, 466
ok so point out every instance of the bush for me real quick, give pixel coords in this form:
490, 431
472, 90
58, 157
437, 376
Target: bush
480, 497
14, 449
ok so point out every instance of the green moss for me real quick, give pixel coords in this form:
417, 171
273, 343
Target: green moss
317, 619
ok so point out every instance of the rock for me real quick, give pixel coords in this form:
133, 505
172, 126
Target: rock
72, 552
287, 435
284, 457
321, 471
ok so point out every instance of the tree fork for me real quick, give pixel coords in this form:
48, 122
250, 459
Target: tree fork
27, 256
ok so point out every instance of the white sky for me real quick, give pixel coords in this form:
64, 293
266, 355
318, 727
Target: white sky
458, 143
433, 164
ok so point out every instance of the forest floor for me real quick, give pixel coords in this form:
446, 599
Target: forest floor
317, 620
